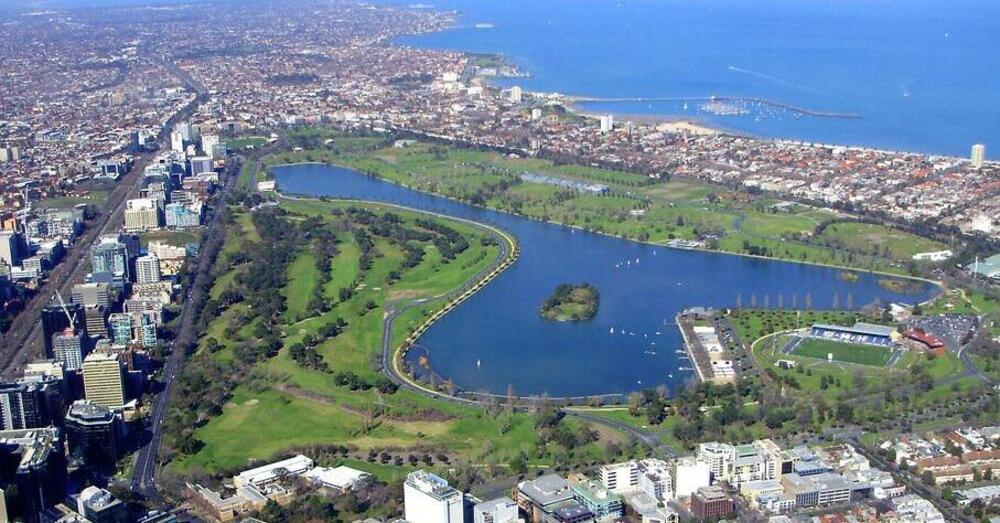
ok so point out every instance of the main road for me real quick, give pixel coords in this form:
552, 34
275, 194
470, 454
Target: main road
144, 472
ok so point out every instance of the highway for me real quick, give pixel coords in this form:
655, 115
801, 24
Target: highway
144, 474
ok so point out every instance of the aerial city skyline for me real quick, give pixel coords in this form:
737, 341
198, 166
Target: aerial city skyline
326, 260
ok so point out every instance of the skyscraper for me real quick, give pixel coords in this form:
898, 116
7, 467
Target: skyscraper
28, 405
120, 325
67, 347
177, 141
978, 155
142, 214
607, 123
515, 94
11, 250
55, 321
92, 431
147, 269
429, 499
110, 256
102, 380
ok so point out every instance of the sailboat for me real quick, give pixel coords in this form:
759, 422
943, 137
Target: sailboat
612, 330
479, 364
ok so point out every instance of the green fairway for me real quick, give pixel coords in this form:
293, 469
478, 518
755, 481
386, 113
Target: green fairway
844, 352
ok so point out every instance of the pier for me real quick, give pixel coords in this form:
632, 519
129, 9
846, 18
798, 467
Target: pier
761, 101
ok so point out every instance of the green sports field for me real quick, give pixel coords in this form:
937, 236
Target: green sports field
844, 352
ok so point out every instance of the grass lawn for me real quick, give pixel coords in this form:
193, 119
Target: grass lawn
868, 236
844, 352
175, 238
302, 280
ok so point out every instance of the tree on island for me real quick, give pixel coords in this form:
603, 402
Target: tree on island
569, 302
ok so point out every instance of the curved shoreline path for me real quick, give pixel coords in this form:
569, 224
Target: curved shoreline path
496, 339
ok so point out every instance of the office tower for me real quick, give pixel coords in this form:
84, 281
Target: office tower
120, 325
92, 434
99, 506
978, 155
690, 475
53, 368
97, 321
55, 321
210, 145
34, 467
607, 123
428, 499
147, 269
515, 94
67, 347
500, 510
177, 141
11, 248
29, 404
134, 143
142, 214
110, 256
92, 294
201, 164
183, 215
102, 380
185, 131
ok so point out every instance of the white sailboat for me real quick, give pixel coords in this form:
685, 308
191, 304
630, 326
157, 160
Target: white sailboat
479, 364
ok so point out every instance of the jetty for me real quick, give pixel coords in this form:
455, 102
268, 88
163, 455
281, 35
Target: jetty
732, 99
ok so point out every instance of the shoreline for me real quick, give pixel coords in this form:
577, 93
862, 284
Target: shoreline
941, 287
663, 118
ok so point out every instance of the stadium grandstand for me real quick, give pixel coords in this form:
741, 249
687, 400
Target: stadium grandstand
860, 333
930, 340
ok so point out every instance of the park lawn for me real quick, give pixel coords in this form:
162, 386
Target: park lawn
68, 202
179, 238
844, 352
303, 277
866, 236
246, 142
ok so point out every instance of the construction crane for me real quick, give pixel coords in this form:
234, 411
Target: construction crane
70, 317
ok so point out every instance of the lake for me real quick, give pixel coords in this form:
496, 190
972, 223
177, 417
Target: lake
924, 75
642, 287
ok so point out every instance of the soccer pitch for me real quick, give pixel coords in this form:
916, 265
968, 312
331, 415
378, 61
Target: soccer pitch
844, 352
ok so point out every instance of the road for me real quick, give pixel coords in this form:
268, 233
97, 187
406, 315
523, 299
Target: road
23, 341
144, 474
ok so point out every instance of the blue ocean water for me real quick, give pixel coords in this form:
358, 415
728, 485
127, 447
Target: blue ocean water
497, 338
924, 75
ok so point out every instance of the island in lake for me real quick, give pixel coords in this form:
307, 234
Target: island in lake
571, 303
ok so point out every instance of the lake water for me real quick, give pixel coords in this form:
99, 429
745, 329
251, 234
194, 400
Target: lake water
923, 74
501, 326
